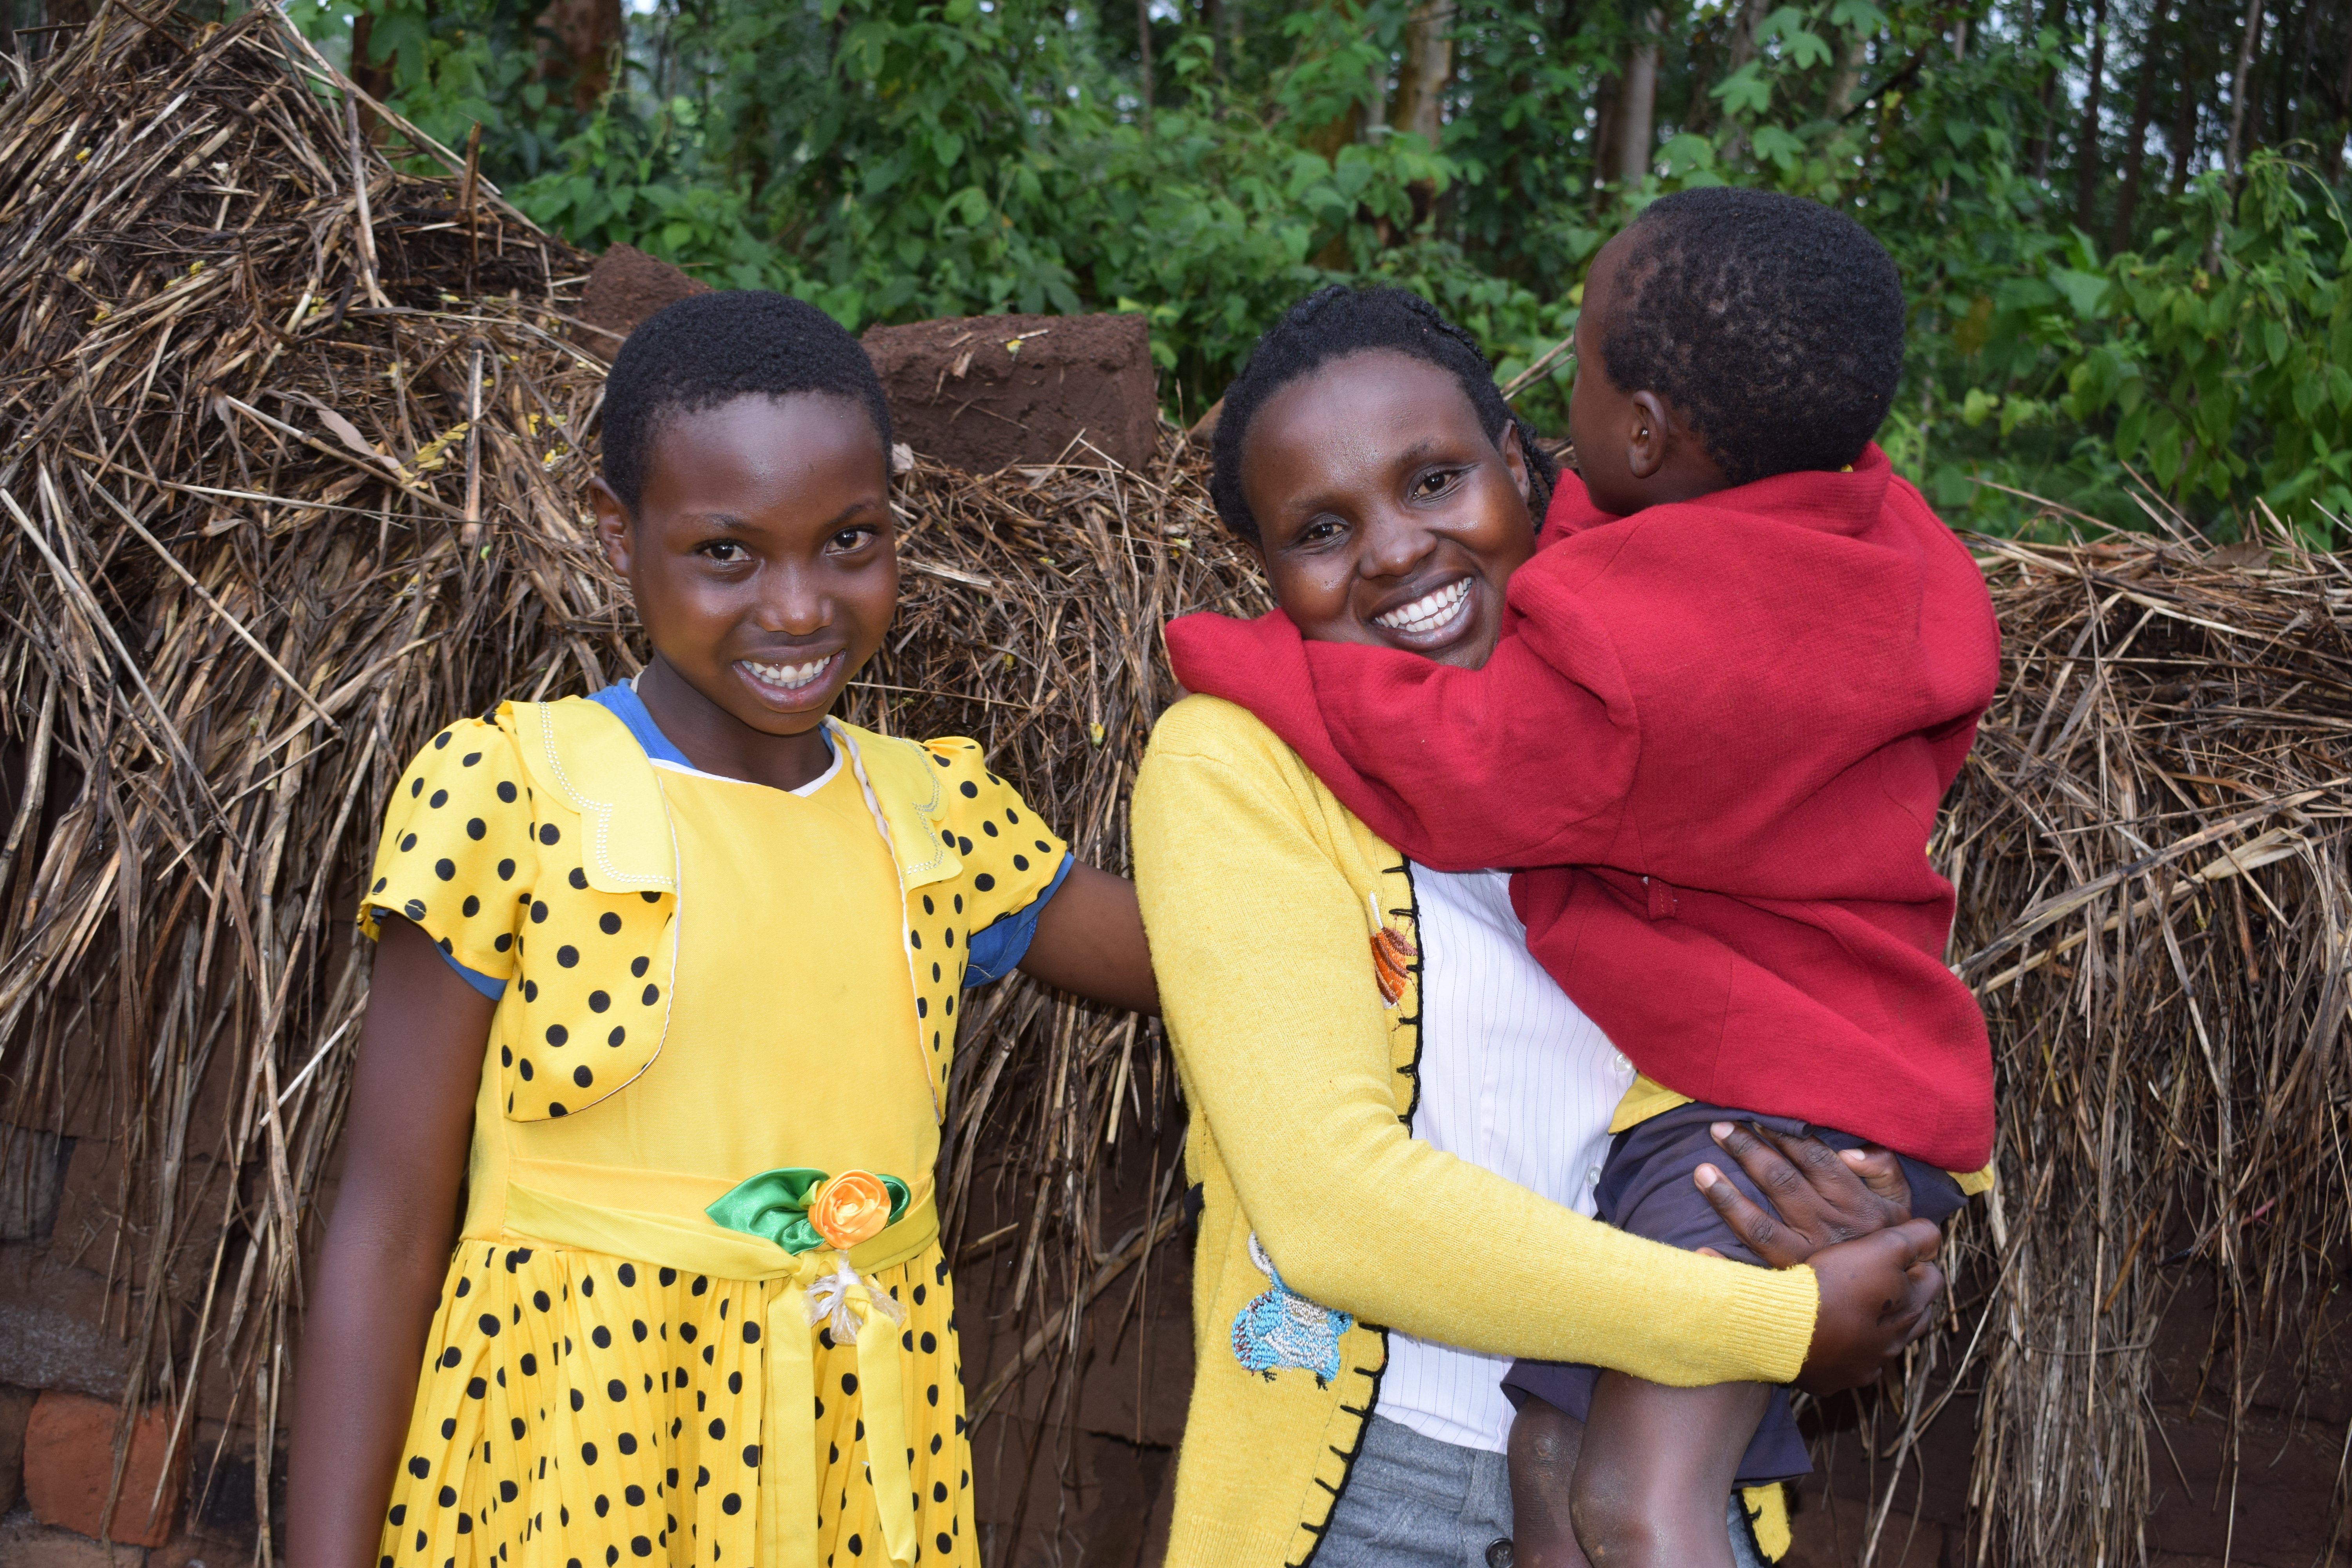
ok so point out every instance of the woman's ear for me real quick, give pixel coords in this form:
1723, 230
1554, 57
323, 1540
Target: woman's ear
1645, 435
615, 530
1514, 459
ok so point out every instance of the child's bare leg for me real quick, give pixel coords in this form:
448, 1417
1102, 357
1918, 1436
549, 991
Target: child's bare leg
1655, 1474
1544, 1444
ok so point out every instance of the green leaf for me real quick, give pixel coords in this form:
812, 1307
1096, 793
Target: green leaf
2083, 290
1744, 91
1807, 49
1772, 142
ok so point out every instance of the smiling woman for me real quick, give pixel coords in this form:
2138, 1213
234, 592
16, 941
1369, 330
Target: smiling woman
1385, 513
1443, 1107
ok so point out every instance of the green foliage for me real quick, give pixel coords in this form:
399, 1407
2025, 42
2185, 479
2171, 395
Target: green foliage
898, 158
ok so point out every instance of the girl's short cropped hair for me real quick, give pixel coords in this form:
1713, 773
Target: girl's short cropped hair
1332, 323
1774, 322
710, 349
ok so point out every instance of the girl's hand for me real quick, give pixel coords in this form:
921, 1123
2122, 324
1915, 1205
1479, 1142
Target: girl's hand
1823, 1196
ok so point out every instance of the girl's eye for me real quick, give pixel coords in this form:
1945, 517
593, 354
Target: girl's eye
1436, 483
849, 541
726, 551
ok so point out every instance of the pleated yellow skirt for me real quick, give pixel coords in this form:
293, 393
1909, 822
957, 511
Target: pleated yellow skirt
577, 1409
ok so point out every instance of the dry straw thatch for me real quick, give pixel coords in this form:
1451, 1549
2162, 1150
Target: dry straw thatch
291, 455
2155, 868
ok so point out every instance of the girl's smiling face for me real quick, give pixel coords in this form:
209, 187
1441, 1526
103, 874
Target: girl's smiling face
765, 568
1385, 514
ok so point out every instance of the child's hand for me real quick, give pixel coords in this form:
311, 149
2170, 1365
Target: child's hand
1823, 1196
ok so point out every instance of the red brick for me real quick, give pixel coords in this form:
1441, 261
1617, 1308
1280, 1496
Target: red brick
69, 1458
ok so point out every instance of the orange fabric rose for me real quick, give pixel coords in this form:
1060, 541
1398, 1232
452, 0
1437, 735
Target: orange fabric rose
852, 1207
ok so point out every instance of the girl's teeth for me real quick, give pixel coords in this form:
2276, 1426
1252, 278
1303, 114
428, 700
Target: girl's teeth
789, 675
1429, 612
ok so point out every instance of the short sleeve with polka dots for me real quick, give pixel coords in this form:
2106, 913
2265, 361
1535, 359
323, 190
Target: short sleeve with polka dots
1009, 854
458, 848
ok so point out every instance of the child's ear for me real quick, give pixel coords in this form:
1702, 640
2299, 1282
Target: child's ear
1647, 427
1514, 459
615, 530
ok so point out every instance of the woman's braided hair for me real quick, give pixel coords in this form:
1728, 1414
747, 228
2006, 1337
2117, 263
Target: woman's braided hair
1332, 323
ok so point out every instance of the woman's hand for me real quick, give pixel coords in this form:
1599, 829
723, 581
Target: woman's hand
1878, 1294
1848, 1214
1824, 1196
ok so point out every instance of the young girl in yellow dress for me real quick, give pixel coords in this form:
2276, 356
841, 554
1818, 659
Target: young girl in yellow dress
667, 985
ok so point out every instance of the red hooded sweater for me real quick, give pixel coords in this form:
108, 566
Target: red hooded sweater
1725, 726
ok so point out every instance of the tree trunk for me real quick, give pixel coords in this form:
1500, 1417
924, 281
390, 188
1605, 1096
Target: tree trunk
1847, 79
2086, 142
1604, 133
2151, 69
2185, 115
1742, 48
1213, 20
2331, 157
2038, 150
1143, 43
577, 43
375, 81
1637, 105
2237, 78
1427, 67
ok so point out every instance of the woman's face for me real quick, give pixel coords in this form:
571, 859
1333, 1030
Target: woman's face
1385, 514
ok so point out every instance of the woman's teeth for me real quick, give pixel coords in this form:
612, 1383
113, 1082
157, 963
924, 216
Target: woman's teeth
788, 677
1430, 612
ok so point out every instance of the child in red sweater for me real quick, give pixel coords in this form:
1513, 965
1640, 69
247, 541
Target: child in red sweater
1733, 681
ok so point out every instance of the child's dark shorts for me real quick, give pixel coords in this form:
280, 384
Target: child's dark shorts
1646, 1189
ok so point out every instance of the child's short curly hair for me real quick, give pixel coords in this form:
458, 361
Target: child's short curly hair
1774, 322
1332, 323
710, 349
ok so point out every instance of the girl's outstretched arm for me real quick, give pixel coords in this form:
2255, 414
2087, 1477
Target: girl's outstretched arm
1090, 942
386, 1249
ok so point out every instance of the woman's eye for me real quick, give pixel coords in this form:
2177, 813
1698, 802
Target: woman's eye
1322, 530
851, 540
726, 551
1435, 483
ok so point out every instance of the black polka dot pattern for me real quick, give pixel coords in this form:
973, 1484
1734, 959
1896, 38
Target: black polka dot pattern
491, 867
520, 1451
999, 874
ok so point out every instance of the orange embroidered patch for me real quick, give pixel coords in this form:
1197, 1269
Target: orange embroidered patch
1393, 955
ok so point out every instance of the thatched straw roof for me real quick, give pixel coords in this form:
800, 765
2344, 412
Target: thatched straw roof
293, 448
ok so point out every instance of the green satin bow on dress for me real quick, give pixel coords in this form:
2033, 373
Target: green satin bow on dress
774, 1203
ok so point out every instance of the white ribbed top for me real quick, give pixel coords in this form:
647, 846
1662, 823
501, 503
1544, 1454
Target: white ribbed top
1515, 1078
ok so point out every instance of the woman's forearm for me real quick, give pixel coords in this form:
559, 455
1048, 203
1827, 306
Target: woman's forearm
1266, 978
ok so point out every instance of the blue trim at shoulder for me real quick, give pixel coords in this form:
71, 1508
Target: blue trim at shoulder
994, 951
620, 699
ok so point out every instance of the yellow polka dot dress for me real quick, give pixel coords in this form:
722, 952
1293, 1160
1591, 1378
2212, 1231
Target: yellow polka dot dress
699, 980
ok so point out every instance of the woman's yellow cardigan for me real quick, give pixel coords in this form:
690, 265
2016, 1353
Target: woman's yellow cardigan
1258, 892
